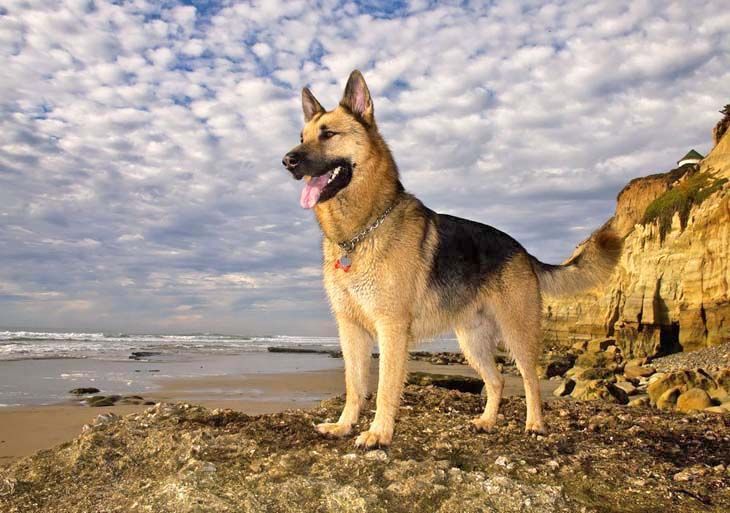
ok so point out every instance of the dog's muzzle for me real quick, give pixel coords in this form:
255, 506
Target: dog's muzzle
291, 161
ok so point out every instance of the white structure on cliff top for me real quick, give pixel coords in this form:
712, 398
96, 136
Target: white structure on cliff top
692, 157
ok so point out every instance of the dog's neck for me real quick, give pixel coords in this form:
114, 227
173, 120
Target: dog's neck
351, 211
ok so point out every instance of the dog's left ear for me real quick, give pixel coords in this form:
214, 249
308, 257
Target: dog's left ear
357, 97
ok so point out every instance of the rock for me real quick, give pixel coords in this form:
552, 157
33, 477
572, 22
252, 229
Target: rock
692, 400
596, 359
597, 345
722, 378
452, 382
640, 401
684, 380
689, 473
376, 455
162, 460
564, 388
668, 399
579, 347
143, 355
717, 409
637, 362
636, 372
133, 399
84, 391
102, 400
627, 387
558, 365
580, 373
598, 389
601, 423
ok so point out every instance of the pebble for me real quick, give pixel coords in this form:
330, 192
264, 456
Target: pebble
715, 356
376, 455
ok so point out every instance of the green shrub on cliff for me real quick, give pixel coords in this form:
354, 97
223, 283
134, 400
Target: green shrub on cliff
680, 199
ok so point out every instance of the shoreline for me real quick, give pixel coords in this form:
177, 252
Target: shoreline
27, 429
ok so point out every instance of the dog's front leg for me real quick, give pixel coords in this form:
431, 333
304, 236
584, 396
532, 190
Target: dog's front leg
393, 340
357, 346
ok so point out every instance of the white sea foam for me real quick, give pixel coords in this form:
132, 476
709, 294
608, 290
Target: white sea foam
16, 345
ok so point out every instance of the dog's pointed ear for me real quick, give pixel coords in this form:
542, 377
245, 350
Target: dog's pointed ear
357, 97
310, 105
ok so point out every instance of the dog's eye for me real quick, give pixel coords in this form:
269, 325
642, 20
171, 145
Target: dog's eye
327, 134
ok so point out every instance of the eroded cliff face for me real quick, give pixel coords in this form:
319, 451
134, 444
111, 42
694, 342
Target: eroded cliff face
670, 291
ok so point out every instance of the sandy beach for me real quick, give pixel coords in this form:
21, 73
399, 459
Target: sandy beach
27, 429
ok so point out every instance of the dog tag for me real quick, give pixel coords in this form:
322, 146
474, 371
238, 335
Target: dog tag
344, 263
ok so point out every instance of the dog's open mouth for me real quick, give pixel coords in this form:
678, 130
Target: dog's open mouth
320, 188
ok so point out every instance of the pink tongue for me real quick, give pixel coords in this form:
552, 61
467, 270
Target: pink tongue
312, 190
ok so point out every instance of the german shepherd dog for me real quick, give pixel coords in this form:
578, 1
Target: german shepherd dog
396, 271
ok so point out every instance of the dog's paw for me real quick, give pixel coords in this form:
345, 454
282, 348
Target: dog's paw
372, 439
485, 425
333, 429
535, 428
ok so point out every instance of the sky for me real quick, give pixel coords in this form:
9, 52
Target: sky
141, 186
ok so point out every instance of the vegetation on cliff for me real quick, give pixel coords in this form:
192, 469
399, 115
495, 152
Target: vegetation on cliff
679, 199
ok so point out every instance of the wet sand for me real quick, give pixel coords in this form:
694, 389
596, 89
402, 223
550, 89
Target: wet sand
27, 429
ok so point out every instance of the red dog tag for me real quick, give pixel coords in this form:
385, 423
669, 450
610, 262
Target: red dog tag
344, 263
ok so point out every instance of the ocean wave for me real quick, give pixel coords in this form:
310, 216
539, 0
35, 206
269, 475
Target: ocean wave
24, 345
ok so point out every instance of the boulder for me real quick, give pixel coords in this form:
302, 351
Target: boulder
722, 378
102, 400
684, 380
583, 374
637, 362
637, 371
601, 344
627, 387
565, 388
558, 365
668, 399
598, 389
640, 401
596, 359
692, 400
716, 409
84, 391
452, 382
720, 395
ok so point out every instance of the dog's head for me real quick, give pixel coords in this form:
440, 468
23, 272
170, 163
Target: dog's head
334, 144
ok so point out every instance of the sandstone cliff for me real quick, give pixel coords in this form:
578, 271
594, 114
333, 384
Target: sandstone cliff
670, 291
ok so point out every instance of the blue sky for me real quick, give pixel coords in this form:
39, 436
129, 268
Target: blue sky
140, 142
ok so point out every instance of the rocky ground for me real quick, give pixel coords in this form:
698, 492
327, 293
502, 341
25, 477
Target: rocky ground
595, 457
597, 370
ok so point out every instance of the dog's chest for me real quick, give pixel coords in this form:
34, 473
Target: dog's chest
359, 285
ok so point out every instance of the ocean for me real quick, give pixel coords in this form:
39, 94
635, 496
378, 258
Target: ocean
40, 367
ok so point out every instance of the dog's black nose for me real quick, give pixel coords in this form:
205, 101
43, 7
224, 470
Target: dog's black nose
291, 160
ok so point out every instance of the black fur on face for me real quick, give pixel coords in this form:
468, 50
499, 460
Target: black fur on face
312, 165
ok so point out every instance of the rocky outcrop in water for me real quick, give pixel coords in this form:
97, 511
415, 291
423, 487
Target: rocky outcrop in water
671, 289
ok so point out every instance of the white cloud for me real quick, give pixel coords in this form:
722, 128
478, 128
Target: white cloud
141, 141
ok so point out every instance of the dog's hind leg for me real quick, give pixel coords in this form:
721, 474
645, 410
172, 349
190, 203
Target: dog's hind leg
478, 342
357, 345
518, 311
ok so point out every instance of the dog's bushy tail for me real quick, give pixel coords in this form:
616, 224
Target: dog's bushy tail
591, 265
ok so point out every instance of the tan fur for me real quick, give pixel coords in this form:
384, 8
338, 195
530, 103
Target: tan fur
591, 264
386, 295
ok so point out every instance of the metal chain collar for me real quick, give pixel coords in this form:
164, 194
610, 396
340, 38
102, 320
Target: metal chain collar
349, 245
